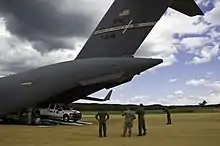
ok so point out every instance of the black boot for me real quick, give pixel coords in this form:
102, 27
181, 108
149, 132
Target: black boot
145, 132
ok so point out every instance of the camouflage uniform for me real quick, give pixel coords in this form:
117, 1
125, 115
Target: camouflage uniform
168, 116
102, 117
128, 123
141, 120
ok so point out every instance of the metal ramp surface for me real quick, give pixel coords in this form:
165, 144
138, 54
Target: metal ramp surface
60, 122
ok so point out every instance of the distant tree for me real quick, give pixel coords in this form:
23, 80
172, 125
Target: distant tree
203, 103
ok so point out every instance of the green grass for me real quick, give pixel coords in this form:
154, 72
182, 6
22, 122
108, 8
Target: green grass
187, 130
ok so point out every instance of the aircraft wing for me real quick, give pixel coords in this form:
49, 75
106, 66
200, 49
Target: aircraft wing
107, 97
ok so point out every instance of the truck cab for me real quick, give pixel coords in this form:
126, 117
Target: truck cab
60, 111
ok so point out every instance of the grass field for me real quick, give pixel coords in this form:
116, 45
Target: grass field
187, 130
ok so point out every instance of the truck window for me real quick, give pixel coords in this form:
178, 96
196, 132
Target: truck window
65, 107
51, 106
58, 107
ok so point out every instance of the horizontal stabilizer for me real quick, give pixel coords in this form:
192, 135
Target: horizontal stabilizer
97, 99
188, 7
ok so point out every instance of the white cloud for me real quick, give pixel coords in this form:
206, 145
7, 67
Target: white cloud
202, 82
211, 98
174, 95
176, 98
195, 82
192, 99
172, 80
206, 54
209, 74
214, 87
213, 15
3, 30
194, 41
179, 98
186, 100
178, 92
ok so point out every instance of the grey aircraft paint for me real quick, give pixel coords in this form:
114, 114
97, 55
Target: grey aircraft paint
104, 62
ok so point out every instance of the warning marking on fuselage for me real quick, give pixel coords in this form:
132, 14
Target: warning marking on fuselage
124, 13
125, 27
26, 83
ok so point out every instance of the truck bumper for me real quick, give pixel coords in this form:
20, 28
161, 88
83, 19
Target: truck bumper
76, 116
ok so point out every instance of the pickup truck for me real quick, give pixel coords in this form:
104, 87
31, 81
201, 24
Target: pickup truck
60, 111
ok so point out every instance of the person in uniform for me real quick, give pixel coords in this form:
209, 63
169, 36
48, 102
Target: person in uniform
141, 120
102, 117
167, 111
37, 118
30, 116
128, 121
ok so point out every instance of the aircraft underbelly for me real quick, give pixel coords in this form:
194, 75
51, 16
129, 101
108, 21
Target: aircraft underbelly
84, 90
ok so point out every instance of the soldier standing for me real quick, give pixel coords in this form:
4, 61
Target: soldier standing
168, 116
128, 123
141, 120
102, 117
30, 116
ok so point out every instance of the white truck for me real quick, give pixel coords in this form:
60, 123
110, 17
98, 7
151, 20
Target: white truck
61, 112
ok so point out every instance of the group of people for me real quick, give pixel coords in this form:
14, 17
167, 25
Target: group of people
129, 117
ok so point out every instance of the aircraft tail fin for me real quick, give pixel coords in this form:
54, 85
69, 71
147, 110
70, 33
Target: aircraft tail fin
187, 7
107, 97
127, 23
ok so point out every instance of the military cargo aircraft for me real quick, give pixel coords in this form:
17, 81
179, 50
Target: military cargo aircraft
105, 61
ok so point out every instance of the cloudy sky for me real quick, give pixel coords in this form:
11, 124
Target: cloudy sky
34, 33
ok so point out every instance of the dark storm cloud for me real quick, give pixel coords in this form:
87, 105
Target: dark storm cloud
41, 22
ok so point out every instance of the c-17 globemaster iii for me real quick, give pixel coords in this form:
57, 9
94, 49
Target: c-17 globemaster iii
105, 61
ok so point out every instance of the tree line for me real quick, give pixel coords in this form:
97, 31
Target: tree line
120, 107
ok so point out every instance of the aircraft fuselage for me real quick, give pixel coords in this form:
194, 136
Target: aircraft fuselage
67, 81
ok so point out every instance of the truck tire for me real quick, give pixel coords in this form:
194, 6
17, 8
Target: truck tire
37, 112
5, 121
66, 118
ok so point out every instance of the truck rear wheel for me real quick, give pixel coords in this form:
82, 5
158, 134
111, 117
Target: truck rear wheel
37, 113
66, 118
